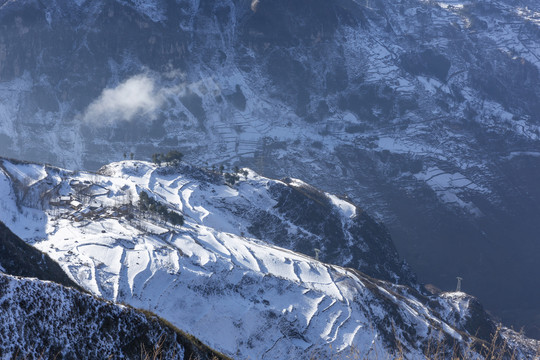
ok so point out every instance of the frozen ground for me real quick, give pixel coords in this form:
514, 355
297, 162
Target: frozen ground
41, 319
244, 297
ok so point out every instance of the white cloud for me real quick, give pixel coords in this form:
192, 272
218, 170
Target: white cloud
135, 96
142, 96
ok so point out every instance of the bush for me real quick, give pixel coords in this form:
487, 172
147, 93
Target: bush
173, 157
146, 203
231, 179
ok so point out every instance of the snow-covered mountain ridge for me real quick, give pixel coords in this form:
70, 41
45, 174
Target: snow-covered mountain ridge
424, 112
42, 320
211, 277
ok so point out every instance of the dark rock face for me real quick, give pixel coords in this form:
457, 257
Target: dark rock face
20, 259
427, 63
373, 100
479, 322
360, 243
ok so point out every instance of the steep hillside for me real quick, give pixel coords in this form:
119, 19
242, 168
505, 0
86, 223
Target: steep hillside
287, 213
241, 295
45, 320
20, 259
424, 112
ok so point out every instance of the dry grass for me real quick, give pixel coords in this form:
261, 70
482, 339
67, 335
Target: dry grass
157, 353
191, 344
497, 349
435, 349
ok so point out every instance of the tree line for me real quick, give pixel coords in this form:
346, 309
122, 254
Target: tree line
173, 157
146, 203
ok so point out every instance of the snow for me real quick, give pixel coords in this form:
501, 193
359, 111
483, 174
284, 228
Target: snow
237, 294
371, 56
450, 187
151, 9
54, 321
529, 14
28, 174
405, 86
514, 154
458, 302
452, 4
348, 210
441, 180
431, 85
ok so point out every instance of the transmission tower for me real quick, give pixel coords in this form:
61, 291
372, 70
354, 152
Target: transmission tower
458, 287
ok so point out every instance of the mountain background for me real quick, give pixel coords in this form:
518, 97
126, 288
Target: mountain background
425, 113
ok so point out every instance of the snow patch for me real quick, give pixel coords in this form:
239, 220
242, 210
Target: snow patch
450, 187
28, 174
153, 9
347, 209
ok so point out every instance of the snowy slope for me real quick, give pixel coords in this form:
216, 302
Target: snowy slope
288, 213
240, 295
41, 319
44, 320
424, 112
20, 259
